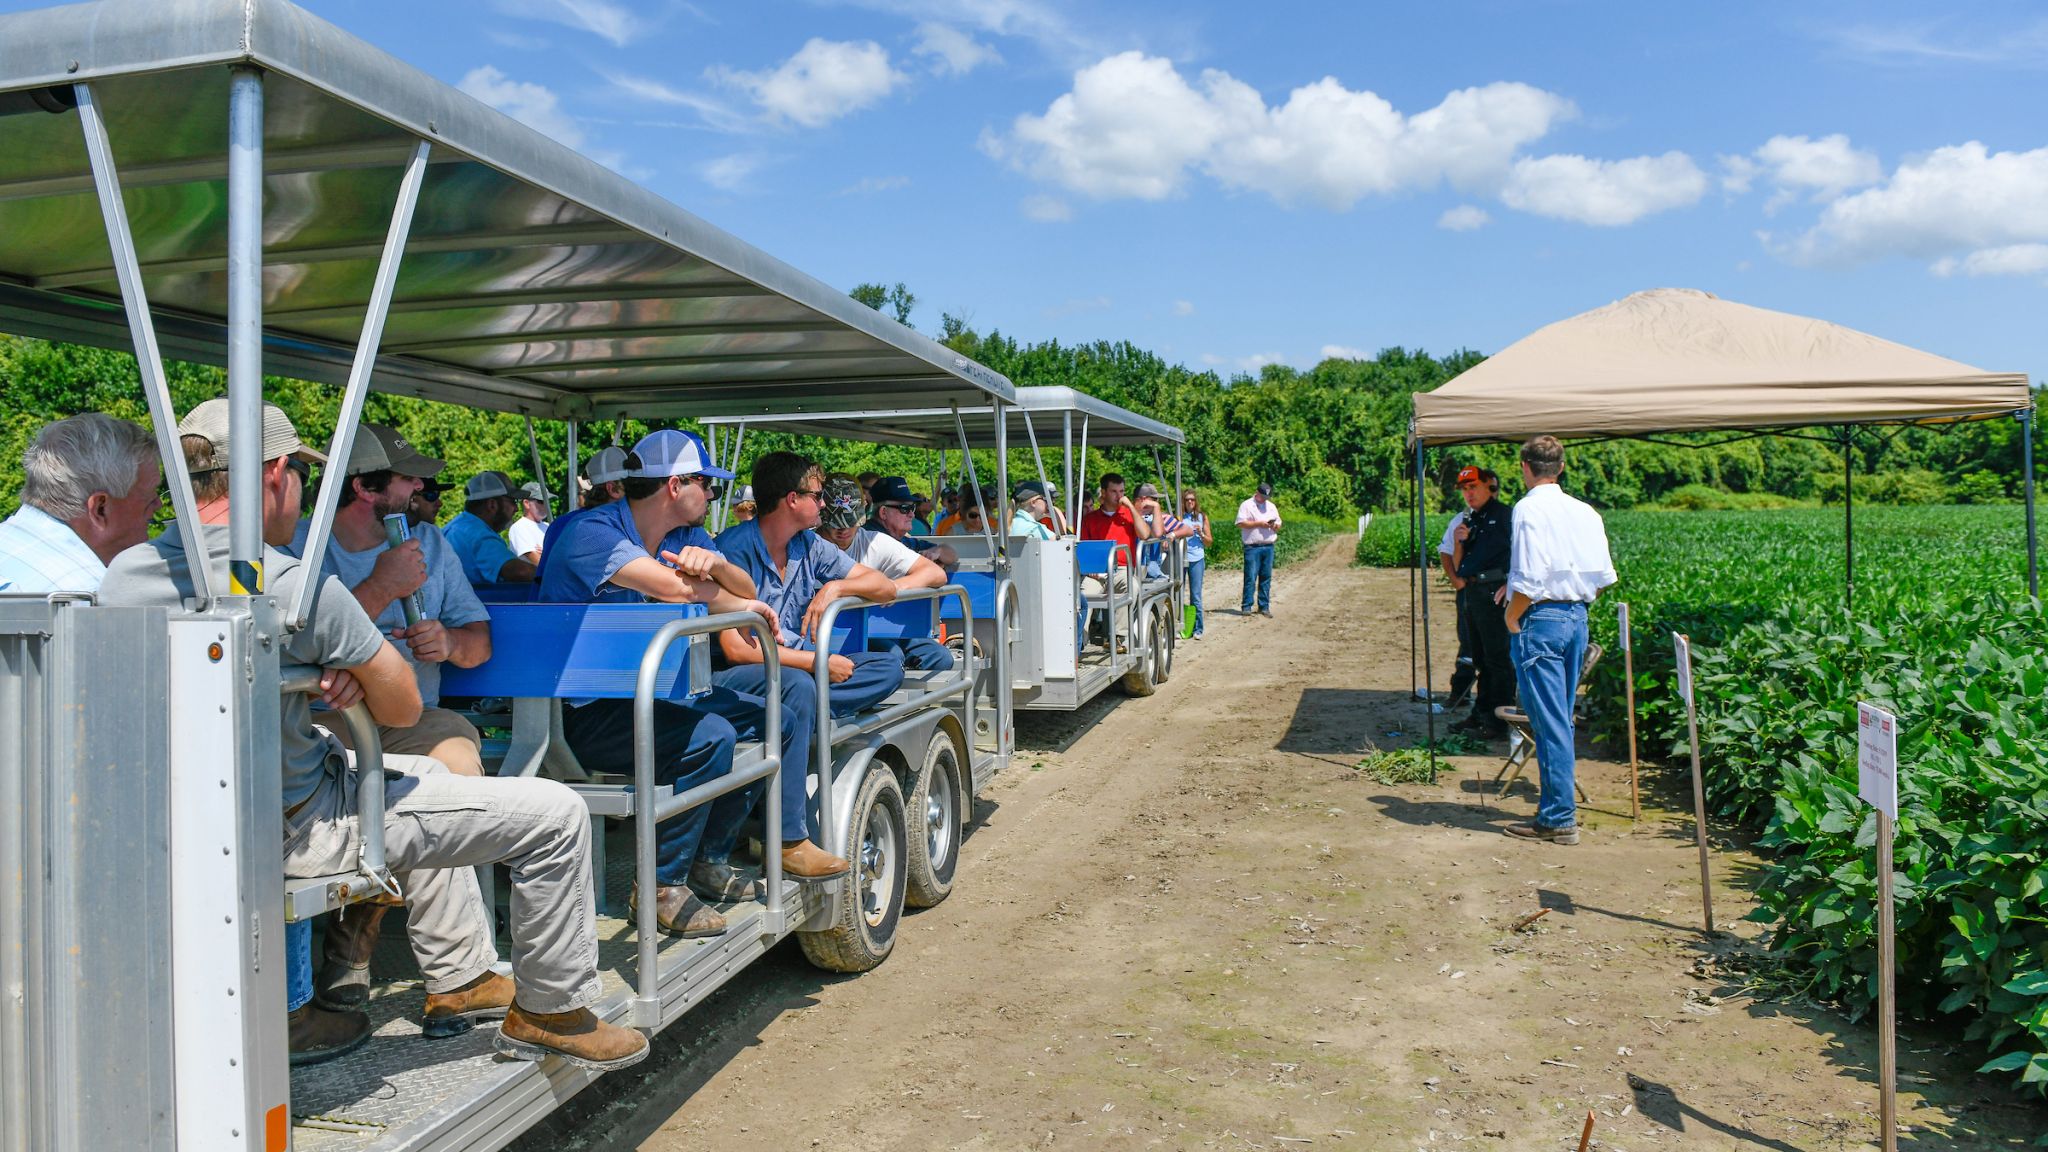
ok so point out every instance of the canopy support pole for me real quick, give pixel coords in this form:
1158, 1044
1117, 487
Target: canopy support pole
569, 486
2027, 464
1428, 687
739, 436
1067, 466
1037, 457
142, 331
346, 423
1081, 481
1000, 533
245, 335
1414, 571
540, 475
1848, 518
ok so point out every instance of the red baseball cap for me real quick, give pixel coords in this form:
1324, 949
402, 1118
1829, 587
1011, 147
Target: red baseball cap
1469, 474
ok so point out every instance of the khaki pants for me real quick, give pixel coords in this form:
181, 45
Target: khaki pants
443, 735
437, 828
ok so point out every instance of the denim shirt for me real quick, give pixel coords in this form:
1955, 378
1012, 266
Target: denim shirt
811, 562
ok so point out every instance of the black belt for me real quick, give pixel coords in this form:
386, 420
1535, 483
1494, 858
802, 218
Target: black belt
1491, 576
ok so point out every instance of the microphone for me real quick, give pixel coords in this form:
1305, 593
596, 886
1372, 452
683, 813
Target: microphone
397, 531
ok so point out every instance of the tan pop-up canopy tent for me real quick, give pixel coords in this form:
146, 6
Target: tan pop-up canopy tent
1680, 360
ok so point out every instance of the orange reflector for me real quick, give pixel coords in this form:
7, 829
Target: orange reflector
277, 1127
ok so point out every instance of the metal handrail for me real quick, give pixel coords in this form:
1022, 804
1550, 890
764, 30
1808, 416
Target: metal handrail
822, 754
647, 814
1006, 606
369, 750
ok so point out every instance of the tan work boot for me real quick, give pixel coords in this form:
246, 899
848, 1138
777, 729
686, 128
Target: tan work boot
804, 860
679, 912
318, 1035
343, 984
453, 1013
578, 1037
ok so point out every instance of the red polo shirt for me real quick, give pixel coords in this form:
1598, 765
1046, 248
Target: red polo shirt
1119, 526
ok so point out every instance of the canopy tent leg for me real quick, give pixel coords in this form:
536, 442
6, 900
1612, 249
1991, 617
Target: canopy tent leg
142, 330
358, 390
1428, 686
1848, 518
245, 334
2027, 466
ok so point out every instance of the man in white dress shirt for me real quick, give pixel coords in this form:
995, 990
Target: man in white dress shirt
89, 490
1559, 565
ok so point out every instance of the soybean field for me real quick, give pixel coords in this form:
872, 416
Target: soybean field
1942, 633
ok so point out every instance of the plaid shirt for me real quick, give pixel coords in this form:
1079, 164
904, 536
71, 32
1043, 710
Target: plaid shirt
40, 554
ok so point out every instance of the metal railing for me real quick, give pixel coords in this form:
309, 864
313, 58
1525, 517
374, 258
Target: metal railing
369, 750
964, 678
648, 812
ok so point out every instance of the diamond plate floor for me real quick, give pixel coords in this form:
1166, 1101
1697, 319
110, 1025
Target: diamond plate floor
364, 1101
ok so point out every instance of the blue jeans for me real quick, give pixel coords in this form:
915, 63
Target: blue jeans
918, 652
1548, 653
692, 745
1258, 571
298, 965
875, 675
1195, 569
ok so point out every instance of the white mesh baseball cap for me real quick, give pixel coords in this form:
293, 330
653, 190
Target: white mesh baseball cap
672, 452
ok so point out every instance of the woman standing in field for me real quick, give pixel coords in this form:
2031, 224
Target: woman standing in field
1191, 514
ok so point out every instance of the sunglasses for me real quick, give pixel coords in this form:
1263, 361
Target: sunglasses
904, 508
817, 494
304, 469
712, 488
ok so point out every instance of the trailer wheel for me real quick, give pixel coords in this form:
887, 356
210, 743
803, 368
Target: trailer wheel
934, 834
1163, 628
869, 913
1142, 681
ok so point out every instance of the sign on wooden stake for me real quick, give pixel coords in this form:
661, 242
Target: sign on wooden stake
1699, 787
1877, 782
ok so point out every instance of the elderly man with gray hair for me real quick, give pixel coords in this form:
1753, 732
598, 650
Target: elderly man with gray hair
89, 491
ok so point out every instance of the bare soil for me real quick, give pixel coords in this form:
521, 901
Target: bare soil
1189, 922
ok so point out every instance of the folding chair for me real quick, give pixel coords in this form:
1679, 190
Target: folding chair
1523, 740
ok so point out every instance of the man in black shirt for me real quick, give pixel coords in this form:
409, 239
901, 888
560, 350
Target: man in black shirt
1484, 540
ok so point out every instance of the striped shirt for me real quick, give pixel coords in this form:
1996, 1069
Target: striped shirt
40, 554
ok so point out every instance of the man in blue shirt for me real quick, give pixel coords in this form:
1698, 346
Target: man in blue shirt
603, 556
490, 504
798, 574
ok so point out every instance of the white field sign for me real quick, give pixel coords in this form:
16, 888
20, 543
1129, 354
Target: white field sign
1683, 647
1877, 759
1877, 782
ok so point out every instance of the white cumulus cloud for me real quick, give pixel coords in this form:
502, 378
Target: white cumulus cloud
1801, 167
1133, 127
2011, 260
1463, 218
1342, 352
1962, 202
825, 80
1605, 193
533, 105
951, 51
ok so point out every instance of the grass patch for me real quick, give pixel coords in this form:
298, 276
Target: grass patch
1415, 765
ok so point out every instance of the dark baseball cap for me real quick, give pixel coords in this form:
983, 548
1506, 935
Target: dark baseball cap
892, 490
1265, 489
379, 448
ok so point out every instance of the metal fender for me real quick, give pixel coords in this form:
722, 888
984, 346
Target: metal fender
847, 777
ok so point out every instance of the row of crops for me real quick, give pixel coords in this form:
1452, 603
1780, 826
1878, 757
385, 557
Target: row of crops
1943, 633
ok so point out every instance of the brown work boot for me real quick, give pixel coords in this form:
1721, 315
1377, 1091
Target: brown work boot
343, 984
578, 1037
679, 913
318, 1035
718, 882
804, 860
453, 1013
1535, 831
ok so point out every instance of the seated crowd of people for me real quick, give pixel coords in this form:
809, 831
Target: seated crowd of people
398, 599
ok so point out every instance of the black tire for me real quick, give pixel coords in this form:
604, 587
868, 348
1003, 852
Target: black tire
1163, 628
871, 910
1139, 682
936, 802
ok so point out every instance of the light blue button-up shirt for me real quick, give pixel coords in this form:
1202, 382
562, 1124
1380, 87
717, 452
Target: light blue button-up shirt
811, 563
40, 554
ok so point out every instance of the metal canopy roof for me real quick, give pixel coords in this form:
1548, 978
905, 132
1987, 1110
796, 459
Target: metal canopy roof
1108, 425
534, 280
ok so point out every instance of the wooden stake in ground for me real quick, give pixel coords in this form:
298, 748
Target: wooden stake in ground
1586, 1133
1628, 661
1699, 787
1877, 782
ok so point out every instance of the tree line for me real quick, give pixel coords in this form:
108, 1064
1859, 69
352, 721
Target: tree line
1332, 439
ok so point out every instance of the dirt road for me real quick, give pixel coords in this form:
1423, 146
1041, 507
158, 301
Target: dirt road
1189, 922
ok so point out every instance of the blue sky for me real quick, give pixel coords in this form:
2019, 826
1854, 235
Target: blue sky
1232, 184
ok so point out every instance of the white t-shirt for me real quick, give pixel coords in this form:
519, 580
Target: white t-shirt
527, 536
1450, 544
882, 552
1560, 548
1267, 517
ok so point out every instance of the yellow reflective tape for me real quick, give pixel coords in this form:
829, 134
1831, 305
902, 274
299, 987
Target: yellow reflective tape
245, 577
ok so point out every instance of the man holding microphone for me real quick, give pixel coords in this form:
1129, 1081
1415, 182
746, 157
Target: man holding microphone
1560, 563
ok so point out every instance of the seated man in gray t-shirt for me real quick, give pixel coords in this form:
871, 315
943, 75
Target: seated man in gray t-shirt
438, 826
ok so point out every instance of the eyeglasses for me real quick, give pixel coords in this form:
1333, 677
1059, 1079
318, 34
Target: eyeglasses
304, 469
817, 494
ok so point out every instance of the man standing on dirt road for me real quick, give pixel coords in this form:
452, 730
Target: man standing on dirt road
1559, 564
1258, 524
1482, 546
